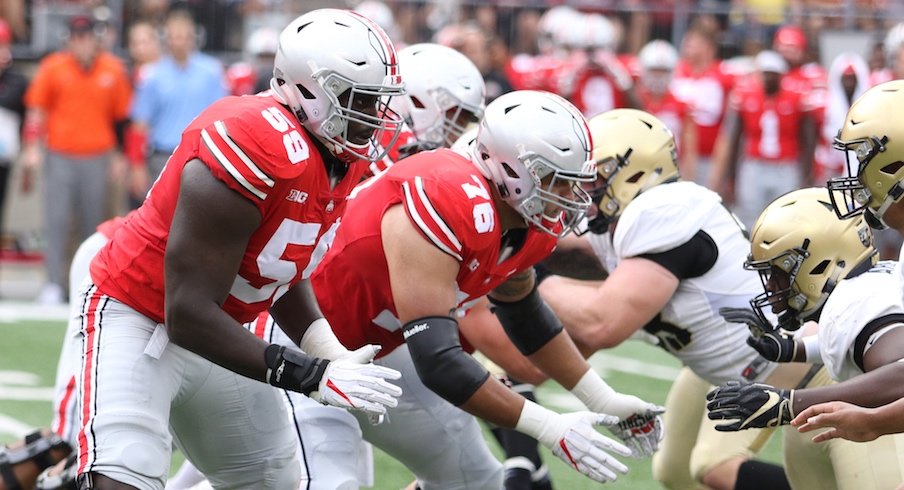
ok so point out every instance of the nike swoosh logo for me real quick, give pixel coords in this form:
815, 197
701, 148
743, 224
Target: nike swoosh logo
773, 400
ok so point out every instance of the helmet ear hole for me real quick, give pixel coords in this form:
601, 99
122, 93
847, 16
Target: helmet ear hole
820, 268
634, 178
417, 103
305, 92
509, 170
892, 168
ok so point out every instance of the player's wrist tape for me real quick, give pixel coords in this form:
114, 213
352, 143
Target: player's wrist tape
439, 360
320, 341
811, 349
528, 322
293, 370
593, 392
534, 420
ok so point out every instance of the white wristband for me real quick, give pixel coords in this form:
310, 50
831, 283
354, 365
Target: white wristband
593, 391
320, 341
534, 420
811, 349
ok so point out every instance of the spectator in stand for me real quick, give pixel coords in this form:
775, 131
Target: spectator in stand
252, 75
182, 84
657, 63
778, 141
144, 49
75, 100
12, 110
702, 82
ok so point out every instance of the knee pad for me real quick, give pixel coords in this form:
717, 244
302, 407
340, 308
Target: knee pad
331, 440
41, 448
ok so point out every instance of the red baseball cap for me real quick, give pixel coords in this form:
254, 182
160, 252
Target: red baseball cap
80, 24
791, 35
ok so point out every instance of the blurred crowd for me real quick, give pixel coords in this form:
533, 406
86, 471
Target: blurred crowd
743, 85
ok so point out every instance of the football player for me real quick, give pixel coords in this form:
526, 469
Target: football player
873, 187
674, 254
239, 218
442, 229
815, 267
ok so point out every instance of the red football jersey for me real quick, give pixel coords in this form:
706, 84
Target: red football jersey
449, 202
671, 111
258, 149
771, 124
706, 93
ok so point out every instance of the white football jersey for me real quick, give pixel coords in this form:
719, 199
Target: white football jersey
852, 305
661, 219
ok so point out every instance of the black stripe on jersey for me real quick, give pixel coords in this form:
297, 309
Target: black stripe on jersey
869, 329
689, 260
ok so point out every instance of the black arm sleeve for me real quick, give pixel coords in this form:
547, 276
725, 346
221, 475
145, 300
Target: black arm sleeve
528, 322
692, 259
869, 329
440, 361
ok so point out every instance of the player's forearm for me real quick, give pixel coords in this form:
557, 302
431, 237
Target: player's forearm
296, 309
872, 389
495, 403
209, 332
561, 360
588, 324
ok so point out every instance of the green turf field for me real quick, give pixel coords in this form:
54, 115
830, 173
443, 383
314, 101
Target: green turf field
28, 356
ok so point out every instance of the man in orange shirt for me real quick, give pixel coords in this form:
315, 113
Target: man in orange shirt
74, 102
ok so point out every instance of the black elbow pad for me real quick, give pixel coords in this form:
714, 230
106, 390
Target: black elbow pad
529, 322
442, 365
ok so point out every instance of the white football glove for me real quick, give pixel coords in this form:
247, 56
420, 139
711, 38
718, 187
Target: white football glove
354, 382
573, 438
641, 433
639, 425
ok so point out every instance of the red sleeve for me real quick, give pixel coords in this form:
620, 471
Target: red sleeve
250, 156
453, 212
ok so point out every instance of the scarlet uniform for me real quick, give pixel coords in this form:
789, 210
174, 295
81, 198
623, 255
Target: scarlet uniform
668, 108
771, 125
235, 138
449, 202
706, 93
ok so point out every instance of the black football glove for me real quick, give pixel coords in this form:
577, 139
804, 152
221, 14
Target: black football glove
755, 406
764, 338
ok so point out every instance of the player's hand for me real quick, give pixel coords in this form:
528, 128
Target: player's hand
764, 337
844, 420
574, 439
354, 382
754, 405
642, 433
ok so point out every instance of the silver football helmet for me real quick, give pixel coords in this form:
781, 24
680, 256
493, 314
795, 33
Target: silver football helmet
444, 93
528, 144
337, 70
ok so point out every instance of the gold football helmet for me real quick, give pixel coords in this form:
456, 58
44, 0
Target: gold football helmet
801, 250
870, 137
633, 151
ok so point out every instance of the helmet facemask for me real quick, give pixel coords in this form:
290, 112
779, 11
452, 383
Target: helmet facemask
546, 208
352, 103
778, 276
849, 196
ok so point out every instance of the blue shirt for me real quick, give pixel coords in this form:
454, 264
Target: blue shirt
172, 95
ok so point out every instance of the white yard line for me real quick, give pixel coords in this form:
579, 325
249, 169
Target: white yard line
12, 312
9, 425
